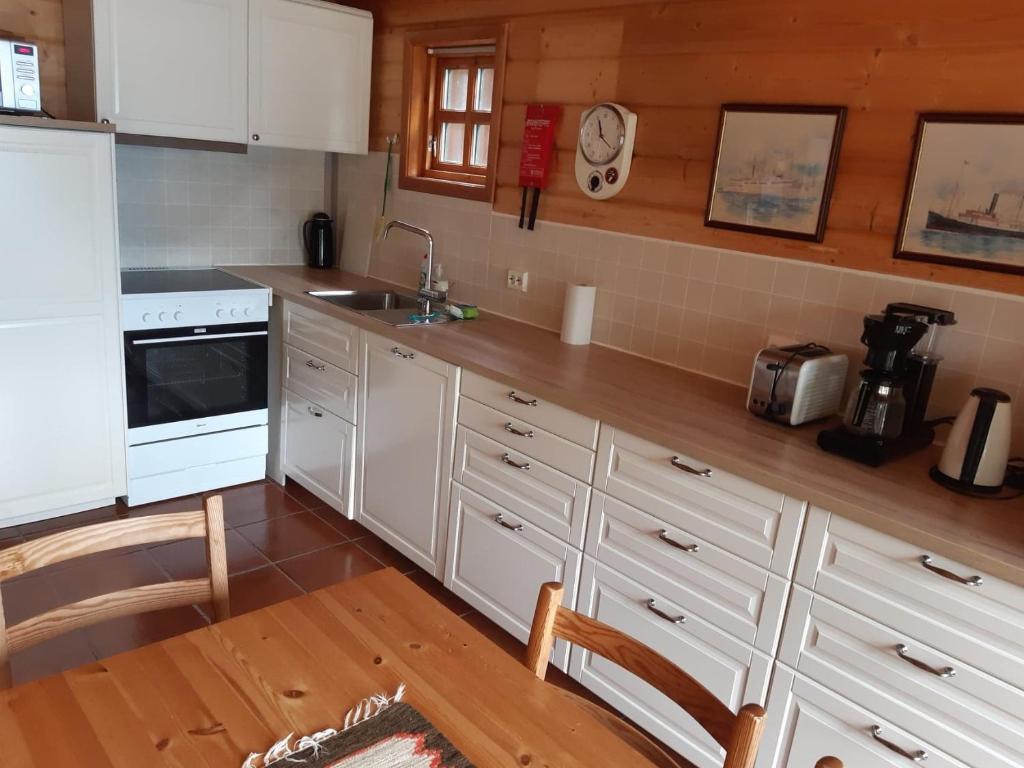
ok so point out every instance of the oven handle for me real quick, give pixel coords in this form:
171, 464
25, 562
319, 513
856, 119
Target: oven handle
200, 337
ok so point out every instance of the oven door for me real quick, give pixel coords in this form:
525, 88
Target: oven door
189, 381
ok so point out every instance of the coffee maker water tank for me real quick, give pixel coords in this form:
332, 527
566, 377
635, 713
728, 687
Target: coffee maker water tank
978, 448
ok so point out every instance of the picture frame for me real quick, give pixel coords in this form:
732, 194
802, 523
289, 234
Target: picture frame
775, 168
964, 200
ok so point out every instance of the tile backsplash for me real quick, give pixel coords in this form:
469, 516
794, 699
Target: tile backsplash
703, 309
181, 208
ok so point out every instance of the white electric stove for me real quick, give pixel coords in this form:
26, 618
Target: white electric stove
195, 353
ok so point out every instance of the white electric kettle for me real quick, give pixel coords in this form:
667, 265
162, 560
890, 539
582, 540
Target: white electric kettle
978, 449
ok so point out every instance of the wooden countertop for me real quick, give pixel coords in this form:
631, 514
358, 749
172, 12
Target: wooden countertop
702, 417
31, 121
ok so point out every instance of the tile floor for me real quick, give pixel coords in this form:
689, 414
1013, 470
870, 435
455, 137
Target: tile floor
281, 542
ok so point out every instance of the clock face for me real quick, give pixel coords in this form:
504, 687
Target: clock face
602, 135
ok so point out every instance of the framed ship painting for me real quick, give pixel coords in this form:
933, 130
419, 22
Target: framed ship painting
774, 169
964, 203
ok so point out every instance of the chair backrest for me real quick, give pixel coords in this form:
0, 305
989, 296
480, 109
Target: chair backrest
206, 523
739, 733
829, 762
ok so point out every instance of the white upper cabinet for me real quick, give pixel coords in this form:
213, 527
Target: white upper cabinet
309, 75
173, 68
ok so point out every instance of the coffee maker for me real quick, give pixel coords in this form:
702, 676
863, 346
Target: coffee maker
885, 415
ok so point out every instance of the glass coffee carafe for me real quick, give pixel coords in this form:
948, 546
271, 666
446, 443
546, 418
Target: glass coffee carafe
877, 408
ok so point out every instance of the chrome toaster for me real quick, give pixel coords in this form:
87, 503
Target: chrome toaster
797, 384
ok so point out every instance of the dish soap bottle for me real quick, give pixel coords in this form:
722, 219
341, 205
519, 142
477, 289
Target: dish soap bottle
440, 281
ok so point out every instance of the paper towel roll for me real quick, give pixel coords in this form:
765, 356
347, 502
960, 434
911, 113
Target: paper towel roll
578, 315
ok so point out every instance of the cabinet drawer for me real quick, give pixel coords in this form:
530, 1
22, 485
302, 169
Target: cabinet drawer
528, 489
320, 382
756, 523
318, 450
723, 589
807, 722
329, 339
518, 404
731, 670
970, 715
528, 439
497, 563
885, 579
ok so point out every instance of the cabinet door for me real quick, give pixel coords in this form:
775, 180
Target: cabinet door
318, 450
174, 68
407, 403
498, 561
309, 75
61, 392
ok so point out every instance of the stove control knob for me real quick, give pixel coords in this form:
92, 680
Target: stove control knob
146, 317
247, 311
234, 312
162, 317
178, 315
219, 313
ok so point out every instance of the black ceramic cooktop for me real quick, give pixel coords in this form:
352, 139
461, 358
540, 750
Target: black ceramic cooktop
134, 281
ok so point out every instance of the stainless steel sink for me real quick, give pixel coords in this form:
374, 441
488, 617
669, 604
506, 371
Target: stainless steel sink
387, 306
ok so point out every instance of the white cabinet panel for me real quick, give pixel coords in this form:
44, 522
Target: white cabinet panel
407, 404
173, 68
309, 75
320, 382
497, 563
733, 671
749, 520
806, 722
734, 595
62, 392
319, 450
323, 336
545, 497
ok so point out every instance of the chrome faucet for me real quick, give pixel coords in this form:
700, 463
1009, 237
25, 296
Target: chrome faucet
427, 294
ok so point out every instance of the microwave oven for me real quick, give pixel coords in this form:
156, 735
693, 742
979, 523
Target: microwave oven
19, 77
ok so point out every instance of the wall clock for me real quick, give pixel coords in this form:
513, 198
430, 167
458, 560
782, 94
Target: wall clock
604, 149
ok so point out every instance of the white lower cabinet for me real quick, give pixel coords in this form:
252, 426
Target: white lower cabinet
732, 670
807, 721
497, 562
407, 427
318, 450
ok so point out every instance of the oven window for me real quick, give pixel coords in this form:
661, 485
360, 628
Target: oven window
170, 381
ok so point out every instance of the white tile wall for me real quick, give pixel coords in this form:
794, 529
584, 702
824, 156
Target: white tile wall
180, 208
698, 308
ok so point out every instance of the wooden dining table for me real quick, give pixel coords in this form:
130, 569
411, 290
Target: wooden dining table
214, 695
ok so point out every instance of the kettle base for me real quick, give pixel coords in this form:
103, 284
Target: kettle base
968, 489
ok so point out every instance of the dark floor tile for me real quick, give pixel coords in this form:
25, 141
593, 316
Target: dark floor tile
329, 566
186, 559
189, 503
259, 501
496, 635
252, 590
387, 554
50, 657
305, 497
282, 537
128, 632
27, 597
350, 529
439, 592
9, 537
66, 522
103, 573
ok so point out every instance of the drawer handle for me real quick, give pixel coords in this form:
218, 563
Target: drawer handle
517, 399
525, 466
658, 612
500, 520
685, 547
904, 653
314, 412
970, 581
404, 355
687, 468
517, 432
312, 364
917, 755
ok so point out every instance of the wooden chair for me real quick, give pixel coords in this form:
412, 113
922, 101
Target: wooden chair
206, 523
829, 762
739, 734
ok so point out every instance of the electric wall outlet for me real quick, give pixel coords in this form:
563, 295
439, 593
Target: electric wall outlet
517, 281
